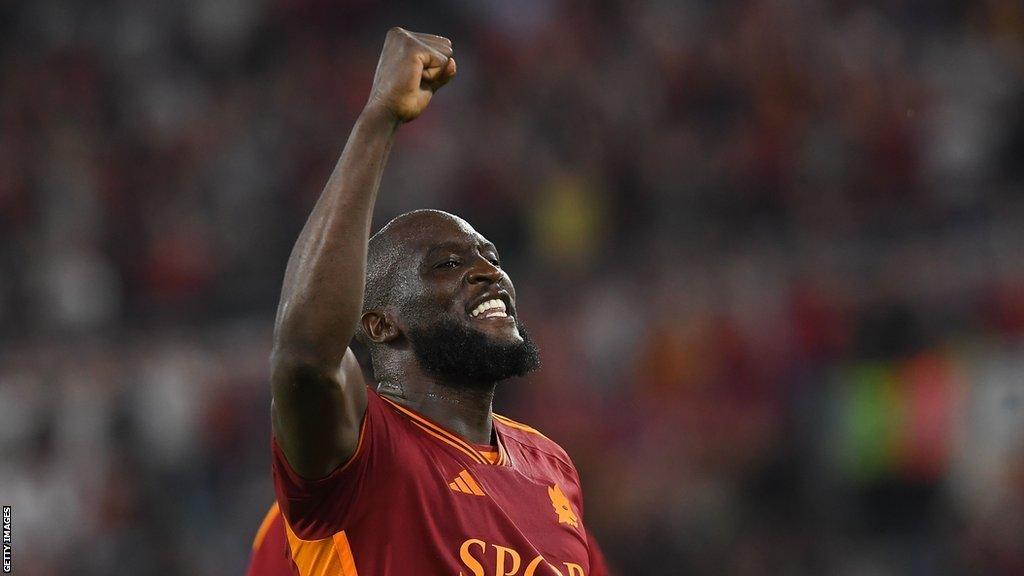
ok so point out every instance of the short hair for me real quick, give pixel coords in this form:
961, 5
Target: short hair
383, 253
381, 256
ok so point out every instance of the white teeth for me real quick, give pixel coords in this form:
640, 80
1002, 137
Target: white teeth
497, 304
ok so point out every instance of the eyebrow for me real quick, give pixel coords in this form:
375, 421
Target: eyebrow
459, 246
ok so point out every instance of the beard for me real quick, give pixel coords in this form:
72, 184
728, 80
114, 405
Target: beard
464, 356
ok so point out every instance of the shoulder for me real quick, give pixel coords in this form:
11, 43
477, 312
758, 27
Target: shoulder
316, 508
529, 438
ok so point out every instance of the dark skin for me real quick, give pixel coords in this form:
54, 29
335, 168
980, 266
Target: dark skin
319, 390
450, 269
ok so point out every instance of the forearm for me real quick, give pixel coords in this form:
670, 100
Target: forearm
322, 295
319, 390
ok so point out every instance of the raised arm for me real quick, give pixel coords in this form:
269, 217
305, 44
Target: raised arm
319, 391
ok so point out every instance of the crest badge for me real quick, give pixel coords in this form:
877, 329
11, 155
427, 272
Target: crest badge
562, 506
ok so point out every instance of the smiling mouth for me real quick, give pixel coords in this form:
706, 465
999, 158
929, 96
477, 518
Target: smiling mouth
493, 308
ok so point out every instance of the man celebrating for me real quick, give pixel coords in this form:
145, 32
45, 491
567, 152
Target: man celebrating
417, 476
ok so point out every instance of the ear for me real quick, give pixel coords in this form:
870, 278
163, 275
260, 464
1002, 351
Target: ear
379, 326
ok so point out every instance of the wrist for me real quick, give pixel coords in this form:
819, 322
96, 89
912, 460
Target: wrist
378, 115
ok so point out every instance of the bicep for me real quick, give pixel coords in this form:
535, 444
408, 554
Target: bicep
317, 413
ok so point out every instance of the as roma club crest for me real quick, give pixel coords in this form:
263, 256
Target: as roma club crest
562, 507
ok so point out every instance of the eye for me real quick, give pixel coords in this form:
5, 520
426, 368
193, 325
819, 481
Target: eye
495, 261
449, 263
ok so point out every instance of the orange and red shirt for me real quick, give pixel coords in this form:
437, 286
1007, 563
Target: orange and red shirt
269, 555
270, 552
417, 499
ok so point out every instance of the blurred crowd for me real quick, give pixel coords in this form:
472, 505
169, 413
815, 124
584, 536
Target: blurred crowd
772, 253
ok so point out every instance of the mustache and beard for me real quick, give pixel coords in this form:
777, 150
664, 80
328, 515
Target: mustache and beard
466, 357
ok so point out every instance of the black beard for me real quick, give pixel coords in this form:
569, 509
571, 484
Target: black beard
463, 356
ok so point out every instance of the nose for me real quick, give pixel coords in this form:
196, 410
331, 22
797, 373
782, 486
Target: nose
484, 271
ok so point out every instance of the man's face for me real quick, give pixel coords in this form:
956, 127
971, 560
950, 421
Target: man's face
457, 305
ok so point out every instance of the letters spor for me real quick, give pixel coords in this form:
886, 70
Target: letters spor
506, 561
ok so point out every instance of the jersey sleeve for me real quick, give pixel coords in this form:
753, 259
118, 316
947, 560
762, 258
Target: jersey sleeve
269, 556
316, 509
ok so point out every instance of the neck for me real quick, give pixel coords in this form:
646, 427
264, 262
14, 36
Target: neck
463, 409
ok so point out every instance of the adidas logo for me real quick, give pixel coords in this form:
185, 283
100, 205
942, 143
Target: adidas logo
464, 483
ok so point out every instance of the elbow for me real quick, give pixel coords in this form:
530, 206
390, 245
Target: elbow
290, 368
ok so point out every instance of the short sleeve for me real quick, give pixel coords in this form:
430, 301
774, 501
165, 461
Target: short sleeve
269, 555
316, 509
598, 565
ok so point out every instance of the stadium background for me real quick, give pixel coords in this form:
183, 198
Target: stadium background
772, 251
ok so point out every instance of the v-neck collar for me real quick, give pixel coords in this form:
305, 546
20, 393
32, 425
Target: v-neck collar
442, 434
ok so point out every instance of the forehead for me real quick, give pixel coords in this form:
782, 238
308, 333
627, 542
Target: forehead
421, 235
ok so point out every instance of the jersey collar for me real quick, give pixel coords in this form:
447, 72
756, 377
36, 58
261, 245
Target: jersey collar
441, 434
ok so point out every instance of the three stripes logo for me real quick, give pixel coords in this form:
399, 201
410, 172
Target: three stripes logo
466, 484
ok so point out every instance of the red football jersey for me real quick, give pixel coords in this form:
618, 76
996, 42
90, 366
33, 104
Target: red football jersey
417, 499
270, 547
271, 555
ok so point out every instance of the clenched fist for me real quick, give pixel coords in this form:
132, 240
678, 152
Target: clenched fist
412, 67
